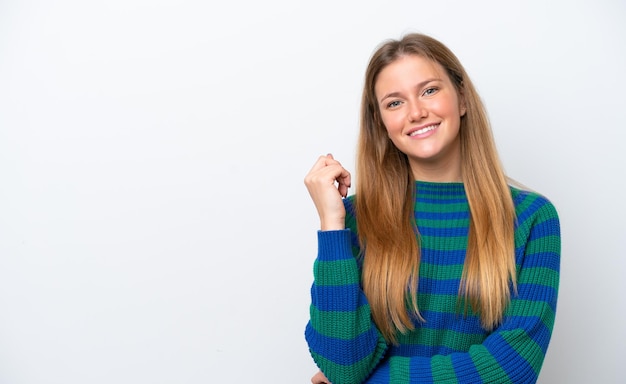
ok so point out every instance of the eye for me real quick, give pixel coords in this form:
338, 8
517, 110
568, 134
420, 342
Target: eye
430, 91
393, 104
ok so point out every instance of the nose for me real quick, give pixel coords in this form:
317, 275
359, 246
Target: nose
417, 110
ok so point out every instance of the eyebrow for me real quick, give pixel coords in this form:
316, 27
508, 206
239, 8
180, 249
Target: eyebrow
418, 85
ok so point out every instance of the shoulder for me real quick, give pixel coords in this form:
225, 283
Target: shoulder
529, 202
535, 213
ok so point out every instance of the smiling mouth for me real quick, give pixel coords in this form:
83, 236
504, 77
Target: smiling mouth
421, 131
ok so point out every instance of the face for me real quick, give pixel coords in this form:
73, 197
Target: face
421, 111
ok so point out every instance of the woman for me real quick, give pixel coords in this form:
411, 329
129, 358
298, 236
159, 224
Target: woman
436, 270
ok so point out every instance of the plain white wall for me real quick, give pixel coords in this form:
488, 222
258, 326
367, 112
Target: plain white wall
154, 227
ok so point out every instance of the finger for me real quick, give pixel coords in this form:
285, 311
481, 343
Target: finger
344, 180
330, 160
328, 172
334, 172
324, 166
324, 161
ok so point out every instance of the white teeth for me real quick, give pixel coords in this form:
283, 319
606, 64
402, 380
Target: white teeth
423, 130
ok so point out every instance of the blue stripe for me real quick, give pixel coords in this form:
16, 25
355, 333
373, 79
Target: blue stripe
440, 287
508, 359
381, 375
546, 228
538, 333
421, 368
354, 240
442, 216
443, 257
343, 352
444, 232
550, 260
536, 293
424, 186
406, 350
458, 322
519, 196
464, 367
532, 209
340, 298
349, 205
441, 201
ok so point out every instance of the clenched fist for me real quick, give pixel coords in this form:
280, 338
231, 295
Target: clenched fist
327, 183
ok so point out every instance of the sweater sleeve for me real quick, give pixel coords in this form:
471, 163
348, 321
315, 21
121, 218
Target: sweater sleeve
514, 352
343, 340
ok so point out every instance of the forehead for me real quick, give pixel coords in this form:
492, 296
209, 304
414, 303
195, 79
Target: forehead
409, 70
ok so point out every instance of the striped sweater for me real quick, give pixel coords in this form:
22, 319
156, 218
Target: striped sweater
449, 347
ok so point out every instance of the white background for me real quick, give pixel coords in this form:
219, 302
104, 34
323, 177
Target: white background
154, 226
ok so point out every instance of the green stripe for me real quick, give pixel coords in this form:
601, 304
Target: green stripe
434, 223
443, 370
481, 357
327, 273
349, 373
347, 328
450, 339
441, 272
330, 366
457, 243
525, 308
441, 303
546, 277
543, 244
528, 200
439, 207
525, 346
399, 370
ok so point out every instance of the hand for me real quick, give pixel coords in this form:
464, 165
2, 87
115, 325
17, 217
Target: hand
319, 378
326, 195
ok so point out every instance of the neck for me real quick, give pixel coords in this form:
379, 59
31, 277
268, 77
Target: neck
438, 172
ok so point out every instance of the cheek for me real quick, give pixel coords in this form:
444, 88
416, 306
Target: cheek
392, 123
448, 107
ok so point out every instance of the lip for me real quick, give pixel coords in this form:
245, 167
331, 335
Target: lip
413, 131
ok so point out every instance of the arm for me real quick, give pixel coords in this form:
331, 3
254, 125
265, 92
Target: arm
342, 338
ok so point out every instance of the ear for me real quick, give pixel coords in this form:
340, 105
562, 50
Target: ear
462, 107
460, 91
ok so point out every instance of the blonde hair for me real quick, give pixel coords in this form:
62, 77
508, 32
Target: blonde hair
384, 204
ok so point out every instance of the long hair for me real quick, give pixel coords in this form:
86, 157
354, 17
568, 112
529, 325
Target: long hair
385, 204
